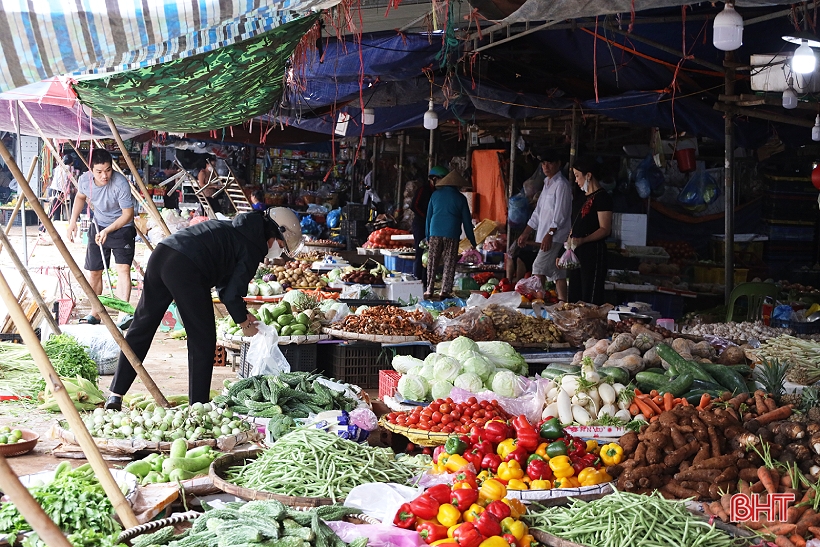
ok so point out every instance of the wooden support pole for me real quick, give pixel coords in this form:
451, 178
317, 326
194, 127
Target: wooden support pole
513, 150
152, 208
96, 305
53, 382
400, 170
19, 201
729, 186
25, 503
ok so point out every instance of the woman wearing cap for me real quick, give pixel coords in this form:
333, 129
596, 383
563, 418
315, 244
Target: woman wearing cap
447, 213
183, 268
419, 207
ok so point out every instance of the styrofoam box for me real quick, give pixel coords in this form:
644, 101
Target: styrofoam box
771, 73
629, 229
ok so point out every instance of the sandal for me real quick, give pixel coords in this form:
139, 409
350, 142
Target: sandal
428, 295
446, 296
89, 320
126, 322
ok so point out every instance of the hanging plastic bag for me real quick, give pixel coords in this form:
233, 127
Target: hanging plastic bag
518, 210
264, 354
648, 178
531, 288
699, 192
333, 218
568, 260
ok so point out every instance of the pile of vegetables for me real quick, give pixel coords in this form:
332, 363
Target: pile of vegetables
261, 522
382, 239
18, 371
198, 421
462, 363
76, 502
296, 273
387, 321
10, 436
804, 356
281, 317
736, 331
313, 463
517, 328
84, 393
443, 415
362, 277
623, 518
69, 358
294, 394
180, 464
625, 325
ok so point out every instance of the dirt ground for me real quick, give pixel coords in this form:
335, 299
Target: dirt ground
167, 361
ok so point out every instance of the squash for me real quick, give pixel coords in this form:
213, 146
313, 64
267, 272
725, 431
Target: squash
651, 358
599, 348
637, 329
620, 343
625, 353
644, 342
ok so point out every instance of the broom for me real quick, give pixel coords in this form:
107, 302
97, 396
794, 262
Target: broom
112, 301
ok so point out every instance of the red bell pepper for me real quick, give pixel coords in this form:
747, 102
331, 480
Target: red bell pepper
484, 447
463, 498
500, 509
488, 524
540, 470
439, 492
510, 539
576, 448
405, 518
475, 434
467, 535
439, 449
526, 434
474, 457
491, 462
465, 475
425, 507
430, 532
496, 431
520, 455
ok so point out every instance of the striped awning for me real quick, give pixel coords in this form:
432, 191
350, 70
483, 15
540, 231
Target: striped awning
43, 39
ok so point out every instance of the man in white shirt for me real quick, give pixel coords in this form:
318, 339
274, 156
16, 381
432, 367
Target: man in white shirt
551, 223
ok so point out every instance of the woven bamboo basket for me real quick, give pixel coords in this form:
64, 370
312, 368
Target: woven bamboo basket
416, 436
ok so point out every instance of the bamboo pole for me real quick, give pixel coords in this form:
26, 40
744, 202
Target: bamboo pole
96, 305
34, 514
152, 208
91, 451
19, 201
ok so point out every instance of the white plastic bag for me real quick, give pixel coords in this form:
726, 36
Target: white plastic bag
380, 500
100, 344
568, 260
264, 354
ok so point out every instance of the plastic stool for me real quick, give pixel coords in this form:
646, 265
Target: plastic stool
66, 305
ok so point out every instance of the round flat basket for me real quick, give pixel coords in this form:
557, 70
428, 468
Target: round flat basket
416, 436
220, 466
26, 444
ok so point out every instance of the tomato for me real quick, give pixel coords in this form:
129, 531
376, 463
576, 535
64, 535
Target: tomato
413, 419
456, 414
436, 418
468, 412
446, 419
445, 408
426, 413
401, 420
472, 401
464, 420
478, 414
435, 429
448, 400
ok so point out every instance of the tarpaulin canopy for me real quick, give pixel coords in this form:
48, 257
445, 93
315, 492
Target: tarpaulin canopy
43, 39
207, 91
59, 122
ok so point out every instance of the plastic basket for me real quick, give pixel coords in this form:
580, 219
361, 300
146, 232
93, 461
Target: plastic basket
64, 308
301, 357
796, 326
357, 211
388, 383
398, 264
356, 364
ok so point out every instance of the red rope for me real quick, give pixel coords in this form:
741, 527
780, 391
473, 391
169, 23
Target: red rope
595, 61
632, 17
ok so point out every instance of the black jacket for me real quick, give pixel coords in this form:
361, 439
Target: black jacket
228, 255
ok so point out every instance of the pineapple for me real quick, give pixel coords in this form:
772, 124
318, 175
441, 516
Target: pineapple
810, 403
771, 374
792, 399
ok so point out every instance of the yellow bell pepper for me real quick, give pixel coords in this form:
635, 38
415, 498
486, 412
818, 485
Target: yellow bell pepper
517, 507
472, 513
505, 447
566, 482
515, 527
542, 451
604, 476
561, 467
510, 470
612, 454
592, 446
452, 529
494, 541
438, 469
448, 515
540, 485
586, 473
442, 541
527, 541
455, 462
461, 485
483, 476
517, 484
492, 490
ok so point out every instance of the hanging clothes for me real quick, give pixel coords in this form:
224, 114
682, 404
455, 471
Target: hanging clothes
489, 186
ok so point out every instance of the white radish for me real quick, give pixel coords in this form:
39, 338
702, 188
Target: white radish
595, 396
581, 415
552, 393
640, 417
607, 393
618, 388
607, 410
551, 410
569, 384
564, 403
623, 415
623, 405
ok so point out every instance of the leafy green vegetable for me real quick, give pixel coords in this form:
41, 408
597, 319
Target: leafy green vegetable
413, 388
470, 381
505, 383
69, 358
18, 370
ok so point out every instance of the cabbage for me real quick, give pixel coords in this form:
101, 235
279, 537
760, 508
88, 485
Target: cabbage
415, 370
460, 345
276, 287
403, 363
440, 389
442, 347
503, 355
505, 384
469, 381
413, 388
446, 368
473, 361
489, 383
428, 372
253, 290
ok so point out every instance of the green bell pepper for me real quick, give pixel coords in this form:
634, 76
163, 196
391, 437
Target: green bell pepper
551, 429
534, 457
557, 448
454, 445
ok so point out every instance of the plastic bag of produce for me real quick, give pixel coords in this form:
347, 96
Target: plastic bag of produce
101, 346
700, 191
333, 218
381, 501
530, 287
519, 210
264, 354
568, 260
473, 324
579, 322
649, 178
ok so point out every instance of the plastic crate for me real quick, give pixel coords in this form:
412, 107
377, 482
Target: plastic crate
398, 264
796, 326
790, 233
357, 211
15, 338
356, 364
354, 228
388, 383
301, 357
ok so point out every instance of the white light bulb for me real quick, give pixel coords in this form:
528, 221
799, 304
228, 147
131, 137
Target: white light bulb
815, 131
803, 60
790, 98
430, 117
368, 116
727, 29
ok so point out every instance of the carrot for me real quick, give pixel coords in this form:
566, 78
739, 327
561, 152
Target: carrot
780, 529
718, 511
775, 415
726, 504
744, 487
658, 401
770, 403
653, 393
654, 418
809, 518
799, 541
633, 409
650, 403
645, 409
796, 511
760, 405
704, 400
638, 392
783, 541
668, 401
683, 402
766, 478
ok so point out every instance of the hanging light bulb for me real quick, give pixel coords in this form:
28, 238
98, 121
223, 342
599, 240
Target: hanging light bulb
368, 116
727, 29
430, 117
790, 97
803, 60
815, 131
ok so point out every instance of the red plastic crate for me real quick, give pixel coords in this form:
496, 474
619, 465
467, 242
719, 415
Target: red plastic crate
388, 383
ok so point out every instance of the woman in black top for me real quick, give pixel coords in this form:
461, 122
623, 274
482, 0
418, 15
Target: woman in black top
590, 228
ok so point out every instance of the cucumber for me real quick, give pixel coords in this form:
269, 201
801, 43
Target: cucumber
617, 374
551, 373
178, 448
743, 370
728, 378
566, 369
678, 386
180, 475
710, 386
140, 468
694, 396
655, 371
682, 365
647, 381
198, 451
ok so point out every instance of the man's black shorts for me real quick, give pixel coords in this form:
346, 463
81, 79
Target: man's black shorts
119, 242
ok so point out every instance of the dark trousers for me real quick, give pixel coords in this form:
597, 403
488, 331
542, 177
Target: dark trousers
172, 276
587, 283
419, 271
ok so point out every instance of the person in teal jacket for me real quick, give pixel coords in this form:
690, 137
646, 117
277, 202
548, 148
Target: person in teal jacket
447, 213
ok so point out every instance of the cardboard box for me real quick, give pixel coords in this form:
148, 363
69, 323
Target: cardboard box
629, 229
